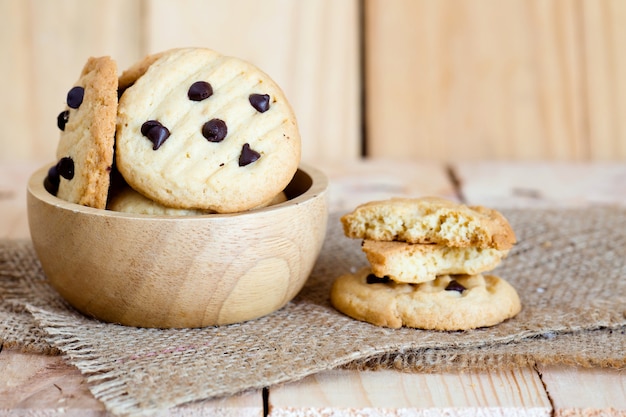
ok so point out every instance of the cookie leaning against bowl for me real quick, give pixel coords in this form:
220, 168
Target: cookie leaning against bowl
416, 263
429, 220
85, 149
460, 302
199, 130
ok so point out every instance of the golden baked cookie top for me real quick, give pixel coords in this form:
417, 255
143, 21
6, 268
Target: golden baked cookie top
200, 130
429, 220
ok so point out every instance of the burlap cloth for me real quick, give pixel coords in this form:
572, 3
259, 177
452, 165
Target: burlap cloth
569, 268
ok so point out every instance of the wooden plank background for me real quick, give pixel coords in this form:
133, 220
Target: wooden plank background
311, 48
496, 79
442, 80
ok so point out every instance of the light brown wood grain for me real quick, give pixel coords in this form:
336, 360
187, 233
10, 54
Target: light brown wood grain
390, 393
490, 79
39, 385
45, 385
13, 183
45, 45
356, 182
179, 271
604, 63
542, 184
18, 131
571, 398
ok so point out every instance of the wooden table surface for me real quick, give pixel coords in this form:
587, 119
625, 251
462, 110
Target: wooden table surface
39, 385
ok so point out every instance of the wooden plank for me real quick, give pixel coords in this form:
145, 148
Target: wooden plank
585, 392
473, 79
34, 384
309, 48
390, 393
355, 182
542, 184
17, 126
604, 28
13, 182
39, 385
48, 43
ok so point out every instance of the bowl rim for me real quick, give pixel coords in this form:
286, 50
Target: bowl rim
36, 189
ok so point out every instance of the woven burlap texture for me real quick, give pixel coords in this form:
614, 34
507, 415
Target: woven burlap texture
569, 268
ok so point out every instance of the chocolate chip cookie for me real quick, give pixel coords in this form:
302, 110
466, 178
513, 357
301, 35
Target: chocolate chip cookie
459, 302
416, 263
87, 126
200, 130
429, 220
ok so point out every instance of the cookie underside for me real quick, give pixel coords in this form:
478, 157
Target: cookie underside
486, 300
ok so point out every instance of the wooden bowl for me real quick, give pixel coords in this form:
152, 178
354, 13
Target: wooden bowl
194, 271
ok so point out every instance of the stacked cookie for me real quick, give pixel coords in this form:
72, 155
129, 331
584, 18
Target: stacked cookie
427, 258
184, 131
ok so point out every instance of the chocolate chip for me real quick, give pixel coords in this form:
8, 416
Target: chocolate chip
65, 167
62, 119
455, 286
145, 128
261, 102
75, 97
248, 155
52, 181
373, 279
199, 91
155, 132
215, 130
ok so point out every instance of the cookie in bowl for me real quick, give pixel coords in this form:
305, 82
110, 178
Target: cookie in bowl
87, 131
200, 130
204, 214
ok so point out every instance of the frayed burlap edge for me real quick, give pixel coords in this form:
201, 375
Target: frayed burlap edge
20, 332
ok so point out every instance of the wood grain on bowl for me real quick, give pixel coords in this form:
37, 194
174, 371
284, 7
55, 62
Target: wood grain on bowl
179, 271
